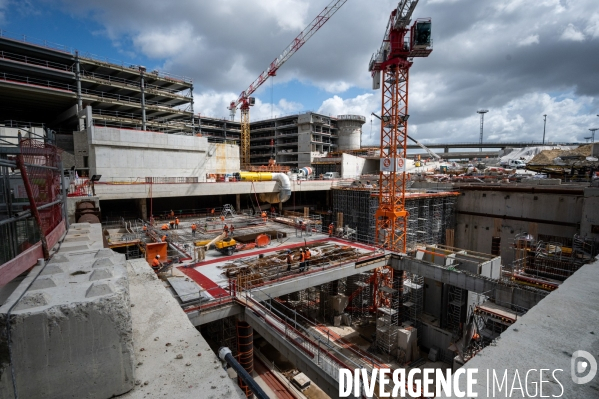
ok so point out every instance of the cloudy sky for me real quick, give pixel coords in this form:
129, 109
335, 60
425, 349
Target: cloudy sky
519, 59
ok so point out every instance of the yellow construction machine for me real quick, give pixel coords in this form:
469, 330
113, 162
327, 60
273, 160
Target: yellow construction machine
223, 244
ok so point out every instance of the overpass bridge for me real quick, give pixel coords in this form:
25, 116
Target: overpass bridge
490, 144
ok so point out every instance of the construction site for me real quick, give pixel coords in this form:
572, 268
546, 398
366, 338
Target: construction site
152, 251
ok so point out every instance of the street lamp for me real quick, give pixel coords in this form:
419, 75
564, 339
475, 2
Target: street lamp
482, 113
544, 125
593, 133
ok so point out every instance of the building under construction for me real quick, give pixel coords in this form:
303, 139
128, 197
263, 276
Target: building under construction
134, 260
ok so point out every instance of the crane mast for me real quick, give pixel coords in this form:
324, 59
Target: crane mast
390, 67
245, 101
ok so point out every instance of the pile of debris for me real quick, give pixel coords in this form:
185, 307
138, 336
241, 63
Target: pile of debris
556, 156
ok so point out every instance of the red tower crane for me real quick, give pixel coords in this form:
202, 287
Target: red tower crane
245, 101
391, 64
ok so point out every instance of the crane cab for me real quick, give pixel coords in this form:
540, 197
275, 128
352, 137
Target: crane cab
421, 42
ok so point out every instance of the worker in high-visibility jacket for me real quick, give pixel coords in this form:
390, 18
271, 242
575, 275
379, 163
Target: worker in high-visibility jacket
145, 228
176, 223
156, 263
226, 230
307, 255
164, 227
264, 216
193, 229
302, 260
172, 224
164, 238
331, 227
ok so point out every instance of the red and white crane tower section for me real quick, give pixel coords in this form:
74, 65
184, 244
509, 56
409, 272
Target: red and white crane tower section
244, 101
390, 67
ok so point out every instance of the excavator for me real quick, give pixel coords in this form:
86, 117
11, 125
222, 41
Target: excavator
223, 244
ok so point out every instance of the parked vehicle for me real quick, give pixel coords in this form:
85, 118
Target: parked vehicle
331, 175
514, 163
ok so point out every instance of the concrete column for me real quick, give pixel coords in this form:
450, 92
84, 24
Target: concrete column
192, 116
281, 208
143, 208
143, 100
78, 79
238, 202
446, 149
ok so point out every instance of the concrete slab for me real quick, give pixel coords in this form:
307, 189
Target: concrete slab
161, 332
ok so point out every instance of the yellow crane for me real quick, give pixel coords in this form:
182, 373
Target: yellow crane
245, 101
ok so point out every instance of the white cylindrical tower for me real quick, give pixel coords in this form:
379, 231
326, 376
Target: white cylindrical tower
350, 132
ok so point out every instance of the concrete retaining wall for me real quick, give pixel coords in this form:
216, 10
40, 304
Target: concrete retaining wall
71, 332
126, 153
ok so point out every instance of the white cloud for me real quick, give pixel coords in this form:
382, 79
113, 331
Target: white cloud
3, 8
165, 43
572, 34
527, 41
592, 28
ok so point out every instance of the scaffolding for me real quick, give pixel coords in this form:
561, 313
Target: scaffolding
223, 332
429, 214
455, 305
412, 299
388, 316
557, 259
361, 297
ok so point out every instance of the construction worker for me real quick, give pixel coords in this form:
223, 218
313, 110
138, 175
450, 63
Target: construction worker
156, 263
264, 217
193, 229
172, 214
226, 230
176, 223
222, 218
331, 227
302, 260
145, 228
232, 229
172, 224
272, 209
307, 255
289, 260
164, 227
164, 237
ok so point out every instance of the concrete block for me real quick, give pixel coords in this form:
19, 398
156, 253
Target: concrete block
406, 340
340, 303
301, 381
337, 321
71, 332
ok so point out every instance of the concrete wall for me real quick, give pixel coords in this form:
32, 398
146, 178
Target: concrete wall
121, 153
505, 214
590, 212
351, 166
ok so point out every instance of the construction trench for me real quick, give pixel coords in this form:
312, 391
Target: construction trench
354, 305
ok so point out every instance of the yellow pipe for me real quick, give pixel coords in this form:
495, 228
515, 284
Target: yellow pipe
256, 176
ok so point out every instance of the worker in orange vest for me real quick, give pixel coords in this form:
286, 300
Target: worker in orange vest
176, 223
307, 255
226, 230
172, 224
264, 217
232, 229
302, 260
145, 228
193, 229
164, 227
164, 237
331, 226
156, 264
